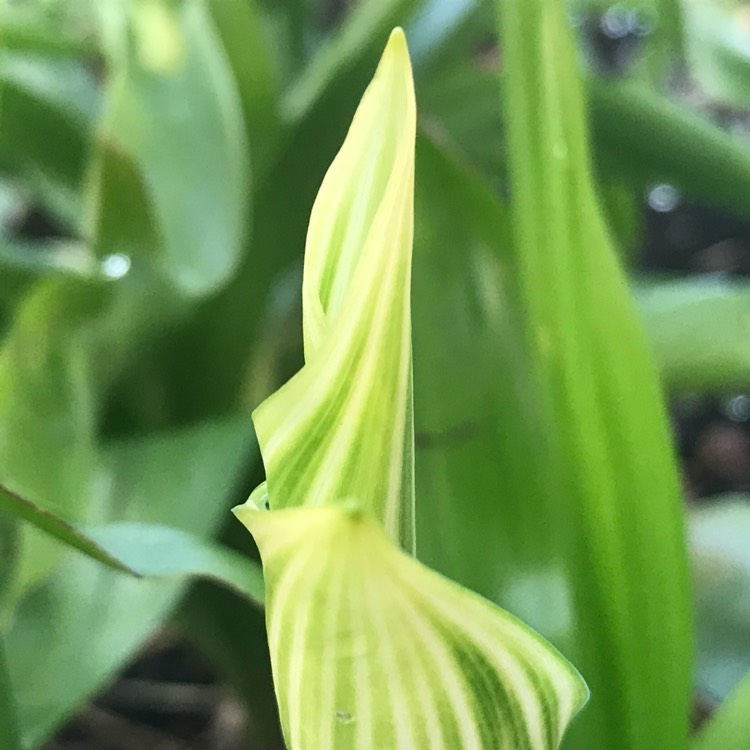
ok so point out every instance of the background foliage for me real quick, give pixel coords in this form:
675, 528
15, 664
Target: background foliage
158, 163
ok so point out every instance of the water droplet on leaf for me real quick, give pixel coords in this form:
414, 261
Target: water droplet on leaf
115, 266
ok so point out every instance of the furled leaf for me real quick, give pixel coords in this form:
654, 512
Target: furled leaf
381, 652
357, 277
370, 648
614, 497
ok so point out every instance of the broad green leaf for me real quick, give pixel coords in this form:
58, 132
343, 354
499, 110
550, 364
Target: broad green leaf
143, 549
91, 619
610, 460
58, 528
424, 663
729, 727
356, 317
699, 331
157, 551
9, 735
68, 341
173, 112
720, 551
478, 448
449, 669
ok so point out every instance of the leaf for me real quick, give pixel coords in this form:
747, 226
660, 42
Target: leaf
193, 169
450, 670
9, 736
613, 504
355, 300
185, 478
622, 113
729, 727
367, 21
47, 118
350, 616
717, 45
143, 549
719, 534
60, 529
150, 550
699, 331
238, 25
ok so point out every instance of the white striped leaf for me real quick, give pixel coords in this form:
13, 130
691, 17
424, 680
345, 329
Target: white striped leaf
343, 425
371, 649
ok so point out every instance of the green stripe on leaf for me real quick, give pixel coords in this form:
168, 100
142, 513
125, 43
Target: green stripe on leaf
343, 425
371, 649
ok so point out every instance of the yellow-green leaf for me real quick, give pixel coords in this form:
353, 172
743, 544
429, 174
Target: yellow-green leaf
343, 427
371, 649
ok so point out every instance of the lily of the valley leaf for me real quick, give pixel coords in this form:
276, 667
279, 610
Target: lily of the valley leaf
343, 425
370, 649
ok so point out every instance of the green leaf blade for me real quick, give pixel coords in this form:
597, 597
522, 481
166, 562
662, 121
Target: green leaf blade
609, 446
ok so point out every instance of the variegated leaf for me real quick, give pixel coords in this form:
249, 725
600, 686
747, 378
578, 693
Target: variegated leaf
371, 649
343, 425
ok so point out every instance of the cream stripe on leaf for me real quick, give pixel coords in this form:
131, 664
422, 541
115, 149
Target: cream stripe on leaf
343, 425
420, 661
370, 649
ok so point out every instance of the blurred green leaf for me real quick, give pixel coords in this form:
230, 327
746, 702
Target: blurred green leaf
60, 529
62, 29
653, 139
46, 123
47, 408
609, 454
144, 550
363, 31
173, 120
9, 735
699, 331
720, 549
231, 632
238, 24
155, 551
92, 619
718, 46
729, 727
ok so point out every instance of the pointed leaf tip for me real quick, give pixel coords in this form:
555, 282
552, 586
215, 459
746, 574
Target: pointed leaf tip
348, 412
